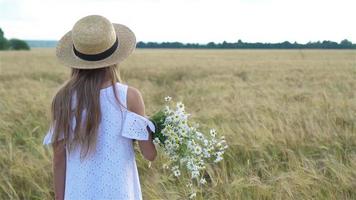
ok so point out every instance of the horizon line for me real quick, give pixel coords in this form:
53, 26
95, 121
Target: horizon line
200, 43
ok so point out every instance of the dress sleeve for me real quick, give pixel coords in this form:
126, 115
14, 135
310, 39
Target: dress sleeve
48, 139
135, 126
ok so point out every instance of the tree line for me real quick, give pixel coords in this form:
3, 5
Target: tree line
16, 44
344, 44
12, 44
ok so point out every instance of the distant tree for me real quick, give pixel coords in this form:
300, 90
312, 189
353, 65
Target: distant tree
224, 45
285, 45
345, 44
140, 45
17, 44
13, 44
3, 41
211, 45
326, 44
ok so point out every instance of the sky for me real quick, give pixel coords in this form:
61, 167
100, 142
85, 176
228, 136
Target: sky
194, 21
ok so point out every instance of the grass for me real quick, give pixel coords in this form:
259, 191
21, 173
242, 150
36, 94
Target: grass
289, 118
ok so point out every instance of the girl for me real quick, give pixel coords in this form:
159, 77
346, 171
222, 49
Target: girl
96, 118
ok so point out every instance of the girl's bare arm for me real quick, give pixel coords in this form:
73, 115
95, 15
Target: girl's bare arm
135, 104
59, 169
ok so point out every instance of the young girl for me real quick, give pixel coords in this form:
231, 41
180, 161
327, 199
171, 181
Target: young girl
96, 118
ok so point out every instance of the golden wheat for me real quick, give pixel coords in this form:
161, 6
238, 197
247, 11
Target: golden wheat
289, 117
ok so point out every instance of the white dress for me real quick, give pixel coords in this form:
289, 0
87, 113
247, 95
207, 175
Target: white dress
110, 173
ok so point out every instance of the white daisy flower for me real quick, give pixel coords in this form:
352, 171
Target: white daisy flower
195, 174
167, 98
218, 159
156, 141
202, 181
197, 150
206, 142
200, 136
180, 106
212, 132
176, 173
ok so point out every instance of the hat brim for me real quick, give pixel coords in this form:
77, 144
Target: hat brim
127, 43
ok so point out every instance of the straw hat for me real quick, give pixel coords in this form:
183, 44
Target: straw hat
95, 42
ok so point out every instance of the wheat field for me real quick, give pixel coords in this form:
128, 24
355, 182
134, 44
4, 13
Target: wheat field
289, 117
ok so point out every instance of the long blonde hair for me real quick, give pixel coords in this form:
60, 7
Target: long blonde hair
85, 85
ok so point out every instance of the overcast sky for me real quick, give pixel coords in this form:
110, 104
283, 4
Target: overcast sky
188, 20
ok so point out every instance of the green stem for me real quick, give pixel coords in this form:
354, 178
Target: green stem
158, 119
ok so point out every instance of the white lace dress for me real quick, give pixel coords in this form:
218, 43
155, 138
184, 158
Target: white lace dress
110, 173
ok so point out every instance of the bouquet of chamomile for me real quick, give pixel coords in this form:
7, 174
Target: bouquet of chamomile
187, 148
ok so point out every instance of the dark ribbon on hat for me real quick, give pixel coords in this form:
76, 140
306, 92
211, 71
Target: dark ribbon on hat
99, 56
